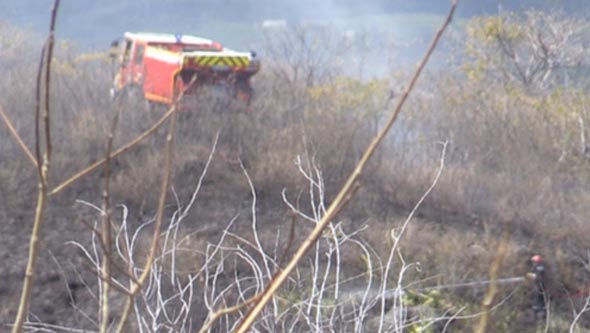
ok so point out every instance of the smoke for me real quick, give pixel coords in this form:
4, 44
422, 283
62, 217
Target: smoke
95, 23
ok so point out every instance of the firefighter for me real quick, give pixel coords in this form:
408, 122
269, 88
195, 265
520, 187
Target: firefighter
538, 274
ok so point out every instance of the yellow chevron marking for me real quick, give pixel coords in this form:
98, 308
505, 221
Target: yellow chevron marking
235, 61
210, 61
245, 61
219, 61
227, 62
202, 61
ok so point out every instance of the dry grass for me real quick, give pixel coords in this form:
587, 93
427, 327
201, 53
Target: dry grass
514, 156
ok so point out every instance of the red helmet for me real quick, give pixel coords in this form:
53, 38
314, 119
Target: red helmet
537, 259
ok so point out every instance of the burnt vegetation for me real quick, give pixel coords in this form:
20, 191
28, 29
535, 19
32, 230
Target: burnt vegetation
497, 137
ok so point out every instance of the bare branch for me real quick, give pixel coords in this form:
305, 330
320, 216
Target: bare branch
43, 168
116, 153
106, 236
159, 215
344, 194
17, 138
488, 299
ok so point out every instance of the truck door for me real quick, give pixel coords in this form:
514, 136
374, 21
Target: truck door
124, 75
137, 67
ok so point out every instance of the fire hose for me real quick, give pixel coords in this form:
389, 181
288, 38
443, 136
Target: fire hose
394, 292
473, 284
390, 293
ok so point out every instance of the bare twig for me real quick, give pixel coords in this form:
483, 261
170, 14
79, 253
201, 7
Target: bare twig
171, 111
396, 237
344, 194
43, 168
104, 248
106, 237
44, 327
290, 240
156, 234
17, 138
38, 111
136, 287
578, 316
93, 267
488, 299
46, 113
225, 311
585, 309
116, 153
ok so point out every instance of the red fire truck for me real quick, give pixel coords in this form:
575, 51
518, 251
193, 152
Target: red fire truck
159, 67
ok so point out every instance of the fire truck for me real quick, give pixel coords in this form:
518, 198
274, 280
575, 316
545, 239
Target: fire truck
162, 67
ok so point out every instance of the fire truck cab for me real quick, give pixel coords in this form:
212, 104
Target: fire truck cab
161, 67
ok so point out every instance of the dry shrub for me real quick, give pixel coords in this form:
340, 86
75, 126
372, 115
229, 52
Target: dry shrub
514, 155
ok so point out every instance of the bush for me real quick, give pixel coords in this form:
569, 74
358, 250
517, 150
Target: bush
515, 155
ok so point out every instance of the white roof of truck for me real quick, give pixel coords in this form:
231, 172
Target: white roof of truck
167, 38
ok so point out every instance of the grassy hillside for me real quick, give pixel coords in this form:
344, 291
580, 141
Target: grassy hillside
505, 154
